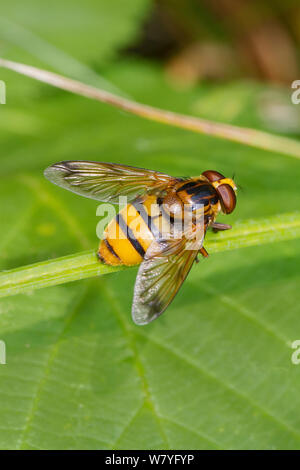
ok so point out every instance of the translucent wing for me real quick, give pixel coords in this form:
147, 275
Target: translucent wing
160, 276
107, 181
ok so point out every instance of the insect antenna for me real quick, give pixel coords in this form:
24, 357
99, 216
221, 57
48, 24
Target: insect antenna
239, 187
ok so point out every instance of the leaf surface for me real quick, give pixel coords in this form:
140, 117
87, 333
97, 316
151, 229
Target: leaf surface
215, 370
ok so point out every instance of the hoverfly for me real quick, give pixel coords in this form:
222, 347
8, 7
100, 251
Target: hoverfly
165, 260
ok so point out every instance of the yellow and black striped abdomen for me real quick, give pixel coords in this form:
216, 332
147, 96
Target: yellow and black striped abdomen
128, 236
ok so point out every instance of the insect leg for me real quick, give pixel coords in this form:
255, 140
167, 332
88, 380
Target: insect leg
217, 227
203, 252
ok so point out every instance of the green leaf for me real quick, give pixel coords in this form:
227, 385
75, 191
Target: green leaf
89, 31
215, 370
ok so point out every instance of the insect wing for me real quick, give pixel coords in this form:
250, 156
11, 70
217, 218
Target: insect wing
106, 181
160, 276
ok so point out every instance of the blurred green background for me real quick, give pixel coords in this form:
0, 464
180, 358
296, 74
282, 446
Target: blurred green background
215, 370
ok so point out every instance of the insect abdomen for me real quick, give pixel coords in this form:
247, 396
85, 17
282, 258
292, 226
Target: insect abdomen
127, 237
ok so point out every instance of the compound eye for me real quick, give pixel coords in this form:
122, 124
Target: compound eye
213, 176
227, 198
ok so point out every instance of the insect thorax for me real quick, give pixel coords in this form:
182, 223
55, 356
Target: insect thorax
200, 196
